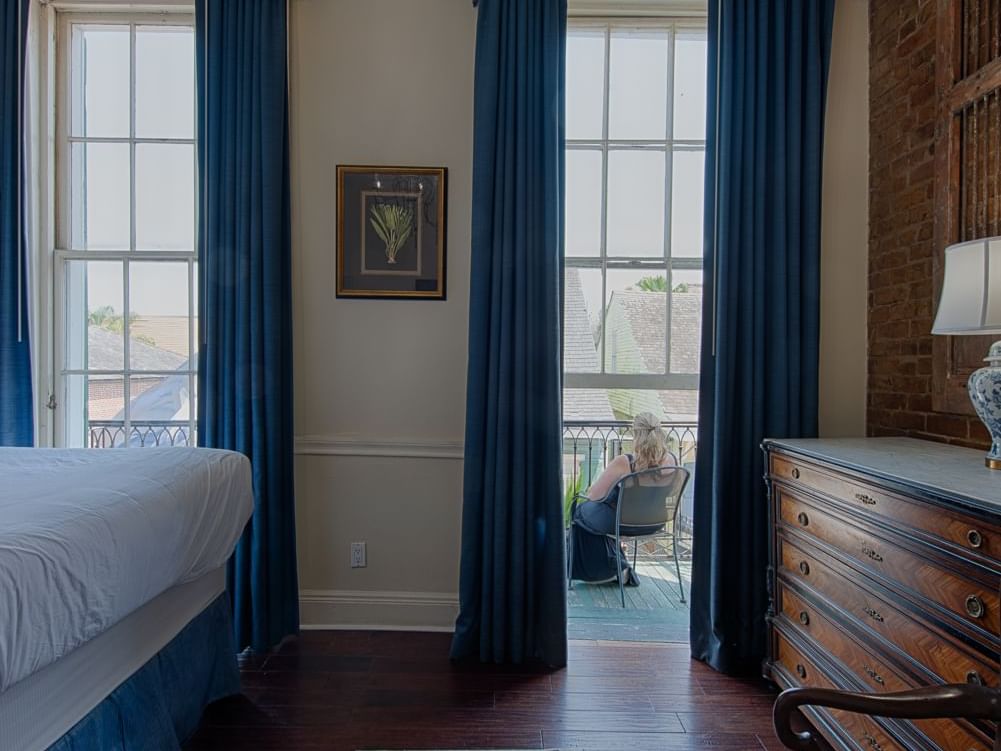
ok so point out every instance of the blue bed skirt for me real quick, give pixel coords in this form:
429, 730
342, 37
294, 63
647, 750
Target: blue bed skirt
160, 706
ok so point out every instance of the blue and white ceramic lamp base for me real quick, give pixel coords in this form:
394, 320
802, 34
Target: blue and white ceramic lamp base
985, 393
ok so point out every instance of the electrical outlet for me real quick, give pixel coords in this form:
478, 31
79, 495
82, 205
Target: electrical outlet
358, 557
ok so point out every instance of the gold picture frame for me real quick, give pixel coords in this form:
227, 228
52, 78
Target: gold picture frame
391, 227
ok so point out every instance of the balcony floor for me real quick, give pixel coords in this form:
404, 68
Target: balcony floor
653, 613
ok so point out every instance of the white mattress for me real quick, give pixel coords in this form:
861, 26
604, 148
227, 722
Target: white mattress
39, 710
89, 536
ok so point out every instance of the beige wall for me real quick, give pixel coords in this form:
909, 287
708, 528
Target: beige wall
844, 231
379, 385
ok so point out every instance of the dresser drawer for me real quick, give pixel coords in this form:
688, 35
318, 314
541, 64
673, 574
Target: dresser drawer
939, 654
870, 669
975, 536
862, 731
966, 598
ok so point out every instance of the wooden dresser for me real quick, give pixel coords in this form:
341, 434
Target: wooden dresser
885, 574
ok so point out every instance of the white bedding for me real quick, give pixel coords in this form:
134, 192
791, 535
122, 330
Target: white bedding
89, 536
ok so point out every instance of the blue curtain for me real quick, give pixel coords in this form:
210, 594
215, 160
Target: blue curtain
512, 589
245, 294
768, 64
16, 421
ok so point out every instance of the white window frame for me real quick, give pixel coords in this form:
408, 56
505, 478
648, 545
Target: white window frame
604, 262
62, 253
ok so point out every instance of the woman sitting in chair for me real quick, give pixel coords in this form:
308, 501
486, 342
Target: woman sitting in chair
594, 553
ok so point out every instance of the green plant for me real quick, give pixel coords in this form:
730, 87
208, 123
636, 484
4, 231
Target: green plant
393, 224
659, 284
106, 318
652, 284
573, 489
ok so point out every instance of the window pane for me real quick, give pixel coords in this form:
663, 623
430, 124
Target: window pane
583, 208
159, 407
165, 82
584, 404
585, 83
686, 321
690, 86
582, 321
636, 203
105, 410
636, 321
158, 316
95, 326
600, 405
99, 200
165, 197
74, 410
99, 81
94, 411
637, 103
687, 202
194, 307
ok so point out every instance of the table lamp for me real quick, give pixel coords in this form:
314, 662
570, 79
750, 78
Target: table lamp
971, 304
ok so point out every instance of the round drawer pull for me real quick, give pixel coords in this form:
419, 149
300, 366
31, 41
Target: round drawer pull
803, 519
975, 607
804, 618
804, 568
974, 538
801, 671
795, 473
975, 678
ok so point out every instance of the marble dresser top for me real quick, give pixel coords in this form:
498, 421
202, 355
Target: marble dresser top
949, 472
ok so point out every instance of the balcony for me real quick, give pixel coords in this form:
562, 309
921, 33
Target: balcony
106, 434
654, 611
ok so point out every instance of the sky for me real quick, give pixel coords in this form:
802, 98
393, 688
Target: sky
165, 172
637, 109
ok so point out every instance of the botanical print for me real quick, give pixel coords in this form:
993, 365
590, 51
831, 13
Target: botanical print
391, 232
393, 224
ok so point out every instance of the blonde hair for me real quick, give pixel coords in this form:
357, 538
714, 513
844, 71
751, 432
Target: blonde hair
649, 442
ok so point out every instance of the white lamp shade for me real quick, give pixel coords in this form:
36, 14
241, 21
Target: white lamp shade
971, 289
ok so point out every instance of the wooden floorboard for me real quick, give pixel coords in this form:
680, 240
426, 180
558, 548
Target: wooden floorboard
351, 690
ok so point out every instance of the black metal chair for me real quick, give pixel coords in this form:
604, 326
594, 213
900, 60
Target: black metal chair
646, 502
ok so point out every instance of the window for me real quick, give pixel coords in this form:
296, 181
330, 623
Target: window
634, 173
124, 258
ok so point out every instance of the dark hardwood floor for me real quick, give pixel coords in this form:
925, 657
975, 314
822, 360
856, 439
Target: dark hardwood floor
348, 690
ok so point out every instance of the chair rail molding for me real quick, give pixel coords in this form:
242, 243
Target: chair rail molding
413, 448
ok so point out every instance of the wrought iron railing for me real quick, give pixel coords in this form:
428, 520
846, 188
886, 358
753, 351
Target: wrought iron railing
106, 434
589, 445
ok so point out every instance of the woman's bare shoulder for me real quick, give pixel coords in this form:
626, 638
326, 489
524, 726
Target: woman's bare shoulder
620, 462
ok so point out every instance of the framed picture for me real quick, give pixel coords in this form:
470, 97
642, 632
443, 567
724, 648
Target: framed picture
391, 232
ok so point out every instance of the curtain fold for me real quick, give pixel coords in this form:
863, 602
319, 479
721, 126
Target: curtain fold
512, 588
16, 407
767, 84
245, 294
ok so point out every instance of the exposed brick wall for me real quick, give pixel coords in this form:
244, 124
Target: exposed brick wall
902, 108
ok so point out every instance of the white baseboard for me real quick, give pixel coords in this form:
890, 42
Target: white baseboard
377, 610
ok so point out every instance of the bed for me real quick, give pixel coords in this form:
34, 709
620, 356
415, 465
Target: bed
112, 571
